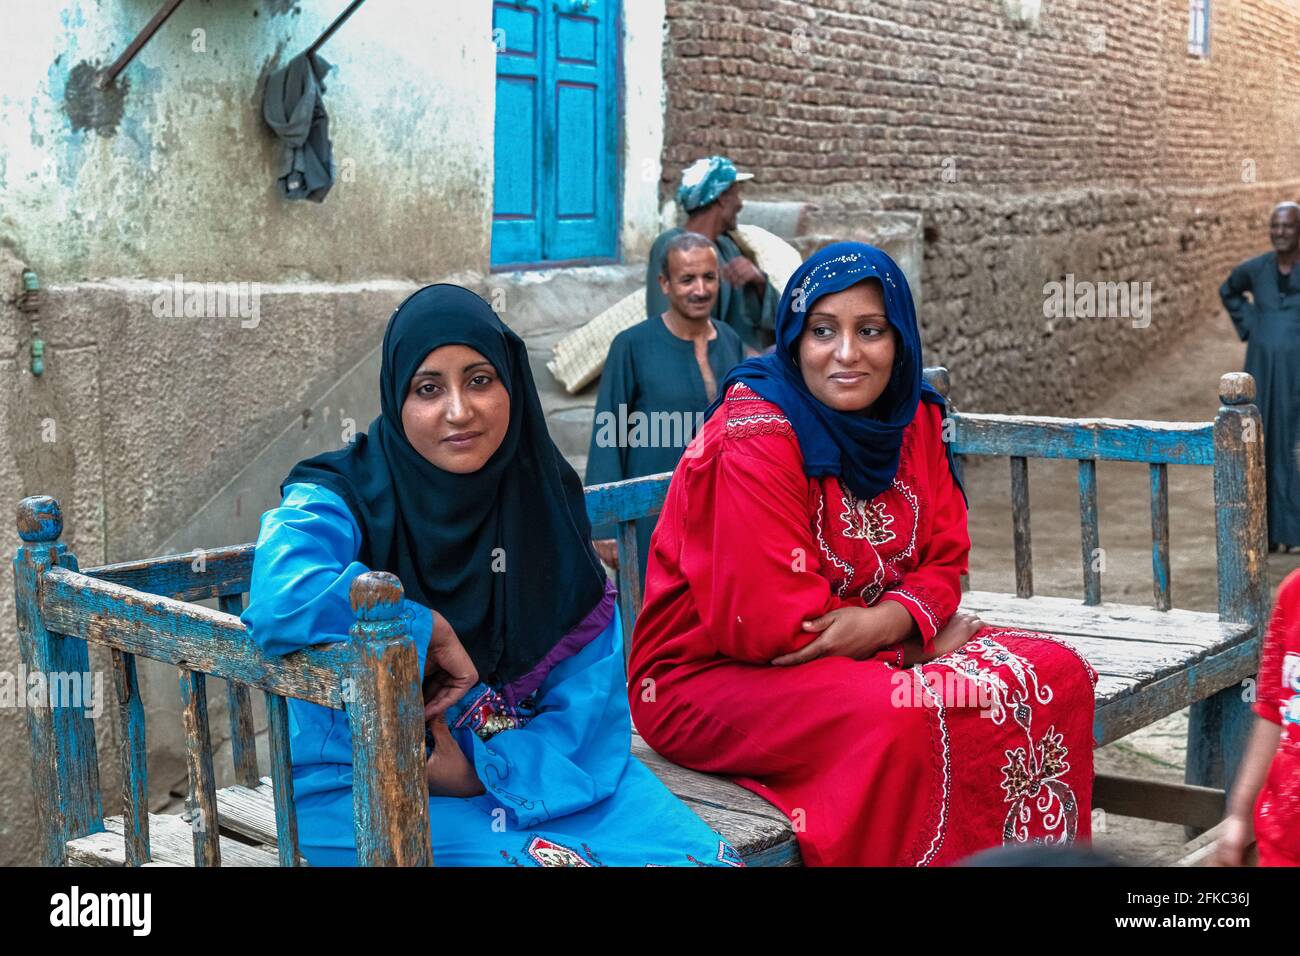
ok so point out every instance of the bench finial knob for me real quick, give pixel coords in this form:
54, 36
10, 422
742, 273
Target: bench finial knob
376, 596
1237, 388
938, 378
39, 519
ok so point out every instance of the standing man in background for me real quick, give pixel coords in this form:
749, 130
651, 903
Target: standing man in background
746, 301
1269, 323
660, 376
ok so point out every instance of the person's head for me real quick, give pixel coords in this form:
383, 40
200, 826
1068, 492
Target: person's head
457, 410
1284, 227
729, 205
459, 490
846, 370
711, 186
847, 348
689, 275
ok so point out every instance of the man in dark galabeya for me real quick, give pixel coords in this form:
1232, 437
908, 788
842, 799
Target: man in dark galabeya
660, 377
710, 197
1268, 321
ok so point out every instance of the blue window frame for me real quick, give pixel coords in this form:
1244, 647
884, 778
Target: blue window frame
556, 169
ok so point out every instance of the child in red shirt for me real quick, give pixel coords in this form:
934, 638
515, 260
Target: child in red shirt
1273, 788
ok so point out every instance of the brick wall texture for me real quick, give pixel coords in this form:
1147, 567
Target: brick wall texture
1089, 143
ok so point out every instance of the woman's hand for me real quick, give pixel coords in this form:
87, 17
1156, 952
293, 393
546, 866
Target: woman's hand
607, 551
856, 632
961, 627
448, 772
1230, 848
448, 670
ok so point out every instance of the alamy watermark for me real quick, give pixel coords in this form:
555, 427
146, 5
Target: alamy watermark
179, 299
82, 689
1085, 299
637, 429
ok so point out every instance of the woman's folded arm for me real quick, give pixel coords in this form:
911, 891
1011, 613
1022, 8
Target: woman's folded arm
748, 550
303, 569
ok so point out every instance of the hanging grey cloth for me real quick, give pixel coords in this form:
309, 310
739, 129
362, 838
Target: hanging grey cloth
293, 107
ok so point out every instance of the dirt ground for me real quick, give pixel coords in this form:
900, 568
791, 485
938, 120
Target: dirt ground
1181, 385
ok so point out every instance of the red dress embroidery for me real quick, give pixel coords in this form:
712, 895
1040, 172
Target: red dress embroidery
873, 763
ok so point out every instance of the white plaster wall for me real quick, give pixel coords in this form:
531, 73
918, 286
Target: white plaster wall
644, 105
184, 180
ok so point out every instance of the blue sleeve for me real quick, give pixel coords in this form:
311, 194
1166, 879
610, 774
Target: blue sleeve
303, 568
574, 750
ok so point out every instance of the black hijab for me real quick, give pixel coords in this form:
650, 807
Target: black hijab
439, 532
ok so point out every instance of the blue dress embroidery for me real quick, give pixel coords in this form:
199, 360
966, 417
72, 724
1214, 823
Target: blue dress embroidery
562, 786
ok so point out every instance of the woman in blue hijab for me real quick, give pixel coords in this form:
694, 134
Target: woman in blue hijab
458, 489
801, 626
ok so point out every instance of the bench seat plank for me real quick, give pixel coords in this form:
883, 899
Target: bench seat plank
171, 843
1117, 622
760, 833
1150, 663
758, 830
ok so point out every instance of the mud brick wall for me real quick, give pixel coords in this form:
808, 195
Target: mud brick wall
1087, 142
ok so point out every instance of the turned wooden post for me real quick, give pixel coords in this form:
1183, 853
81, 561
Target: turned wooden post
65, 768
390, 798
1220, 724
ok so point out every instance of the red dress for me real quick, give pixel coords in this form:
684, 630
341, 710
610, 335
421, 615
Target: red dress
873, 762
1277, 810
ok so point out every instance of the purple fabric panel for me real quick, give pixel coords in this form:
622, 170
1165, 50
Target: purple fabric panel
586, 631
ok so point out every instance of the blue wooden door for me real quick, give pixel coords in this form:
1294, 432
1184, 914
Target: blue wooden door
555, 196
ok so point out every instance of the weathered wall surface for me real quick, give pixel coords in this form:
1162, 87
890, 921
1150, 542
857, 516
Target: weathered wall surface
1089, 143
161, 433
173, 171
140, 417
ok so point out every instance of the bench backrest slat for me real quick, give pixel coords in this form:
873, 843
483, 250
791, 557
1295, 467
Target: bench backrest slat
1020, 541
286, 818
1160, 535
135, 771
629, 582
1090, 535
201, 796
194, 576
1105, 439
243, 749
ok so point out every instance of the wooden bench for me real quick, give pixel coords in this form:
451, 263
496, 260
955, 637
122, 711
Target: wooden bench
1152, 662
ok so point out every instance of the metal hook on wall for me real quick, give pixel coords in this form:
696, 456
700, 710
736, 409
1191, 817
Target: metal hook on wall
338, 22
143, 37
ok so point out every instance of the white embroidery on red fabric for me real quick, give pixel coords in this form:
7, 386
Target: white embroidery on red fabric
941, 825
845, 568
921, 605
1030, 777
748, 425
910, 497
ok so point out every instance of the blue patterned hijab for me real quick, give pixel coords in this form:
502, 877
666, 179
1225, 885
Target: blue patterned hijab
860, 448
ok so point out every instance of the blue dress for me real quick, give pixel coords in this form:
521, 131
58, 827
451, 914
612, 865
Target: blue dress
562, 788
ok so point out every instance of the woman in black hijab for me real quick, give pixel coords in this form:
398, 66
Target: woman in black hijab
458, 489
